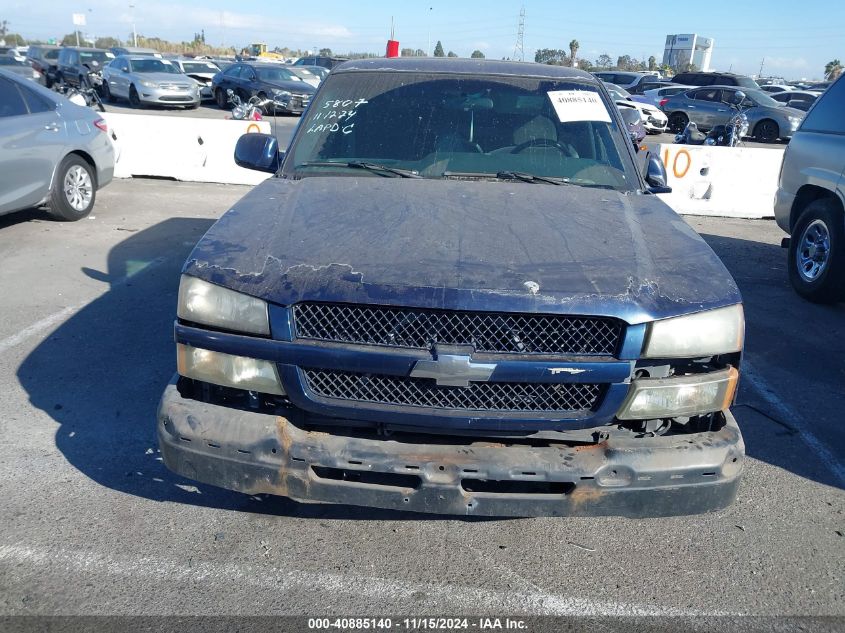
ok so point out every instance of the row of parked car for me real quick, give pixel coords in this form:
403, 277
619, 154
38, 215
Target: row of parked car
774, 112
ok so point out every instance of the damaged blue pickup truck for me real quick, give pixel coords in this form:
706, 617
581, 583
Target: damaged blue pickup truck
458, 294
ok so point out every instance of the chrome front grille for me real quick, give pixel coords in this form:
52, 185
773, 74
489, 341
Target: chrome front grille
402, 391
486, 332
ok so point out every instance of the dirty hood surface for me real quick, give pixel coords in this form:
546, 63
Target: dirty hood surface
484, 245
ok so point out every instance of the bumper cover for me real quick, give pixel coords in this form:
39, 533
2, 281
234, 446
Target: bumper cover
258, 453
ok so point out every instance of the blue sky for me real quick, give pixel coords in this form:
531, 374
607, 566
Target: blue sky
795, 38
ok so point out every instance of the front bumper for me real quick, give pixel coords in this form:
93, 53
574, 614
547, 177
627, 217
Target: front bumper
259, 453
159, 96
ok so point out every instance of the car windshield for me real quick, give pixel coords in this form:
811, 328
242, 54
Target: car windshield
761, 98
275, 74
199, 67
435, 125
153, 65
617, 92
11, 61
101, 57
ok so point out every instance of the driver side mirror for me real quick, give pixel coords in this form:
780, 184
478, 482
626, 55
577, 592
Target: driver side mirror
739, 97
655, 175
259, 152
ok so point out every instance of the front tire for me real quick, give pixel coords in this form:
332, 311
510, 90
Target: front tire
767, 131
677, 122
817, 253
221, 99
74, 190
134, 99
107, 95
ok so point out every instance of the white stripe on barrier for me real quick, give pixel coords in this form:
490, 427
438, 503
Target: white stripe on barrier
738, 182
193, 149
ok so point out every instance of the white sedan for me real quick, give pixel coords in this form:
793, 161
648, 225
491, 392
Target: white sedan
653, 119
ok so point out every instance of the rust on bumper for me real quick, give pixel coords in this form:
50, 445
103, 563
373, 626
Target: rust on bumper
259, 453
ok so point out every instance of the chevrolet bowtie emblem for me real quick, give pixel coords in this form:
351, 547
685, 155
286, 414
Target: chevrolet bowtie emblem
453, 370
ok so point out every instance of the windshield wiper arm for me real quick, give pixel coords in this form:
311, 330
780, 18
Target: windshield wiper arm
404, 173
525, 177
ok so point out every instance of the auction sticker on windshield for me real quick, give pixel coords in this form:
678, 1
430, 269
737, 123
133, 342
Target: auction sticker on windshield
578, 105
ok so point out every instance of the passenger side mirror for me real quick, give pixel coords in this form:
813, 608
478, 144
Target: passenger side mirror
655, 176
259, 152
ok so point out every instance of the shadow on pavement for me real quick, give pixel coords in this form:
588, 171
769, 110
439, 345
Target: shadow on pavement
101, 373
801, 345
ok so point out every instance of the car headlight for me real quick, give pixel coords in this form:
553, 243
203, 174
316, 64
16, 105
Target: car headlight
654, 398
282, 94
709, 333
149, 84
795, 121
239, 372
209, 304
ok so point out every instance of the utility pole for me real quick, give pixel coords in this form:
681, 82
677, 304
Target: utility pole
519, 50
134, 32
428, 46
760, 74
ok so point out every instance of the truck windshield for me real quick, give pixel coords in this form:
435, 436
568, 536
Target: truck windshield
438, 125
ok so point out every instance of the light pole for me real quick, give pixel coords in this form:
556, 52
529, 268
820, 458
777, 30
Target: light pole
428, 46
134, 33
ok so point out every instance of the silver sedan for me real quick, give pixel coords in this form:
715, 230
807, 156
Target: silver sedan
51, 151
143, 80
709, 106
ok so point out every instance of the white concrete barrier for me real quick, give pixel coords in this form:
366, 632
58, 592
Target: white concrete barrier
737, 182
193, 149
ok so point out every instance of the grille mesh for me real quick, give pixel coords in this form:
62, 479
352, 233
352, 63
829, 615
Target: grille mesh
479, 396
486, 331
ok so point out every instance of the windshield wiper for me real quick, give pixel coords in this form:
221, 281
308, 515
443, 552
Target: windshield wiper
356, 164
507, 175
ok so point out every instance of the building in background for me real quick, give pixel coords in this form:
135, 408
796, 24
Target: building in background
688, 49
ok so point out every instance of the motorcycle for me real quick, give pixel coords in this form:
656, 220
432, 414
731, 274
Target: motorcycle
729, 135
88, 92
251, 110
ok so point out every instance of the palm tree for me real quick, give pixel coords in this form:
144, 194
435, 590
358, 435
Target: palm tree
573, 49
832, 69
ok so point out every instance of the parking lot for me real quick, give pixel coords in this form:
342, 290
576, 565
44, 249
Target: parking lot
93, 523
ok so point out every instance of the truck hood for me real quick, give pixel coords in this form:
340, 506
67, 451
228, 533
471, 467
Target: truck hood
482, 245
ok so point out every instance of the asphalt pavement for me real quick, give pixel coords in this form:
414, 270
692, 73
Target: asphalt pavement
93, 523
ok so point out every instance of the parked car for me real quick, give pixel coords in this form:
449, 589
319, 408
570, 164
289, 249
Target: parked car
149, 81
630, 81
800, 99
715, 79
634, 122
657, 95
768, 119
44, 60
287, 92
62, 154
135, 51
776, 88
321, 71
74, 64
654, 121
325, 62
810, 200
201, 71
458, 295
18, 66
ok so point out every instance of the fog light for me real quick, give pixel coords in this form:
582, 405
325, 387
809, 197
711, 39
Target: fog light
240, 372
652, 398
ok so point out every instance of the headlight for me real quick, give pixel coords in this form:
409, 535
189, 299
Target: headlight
239, 372
208, 304
149, 84
709, 333
795, 121
282, 94
652, 398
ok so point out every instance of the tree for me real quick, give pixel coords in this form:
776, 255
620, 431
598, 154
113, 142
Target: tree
832, 69
4, 27
420, 53
573, 51
438, 50
626, 62
652, 63
107, 42
553, 56
604, 61
407, 52
325, 52
451, 54
70, 38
